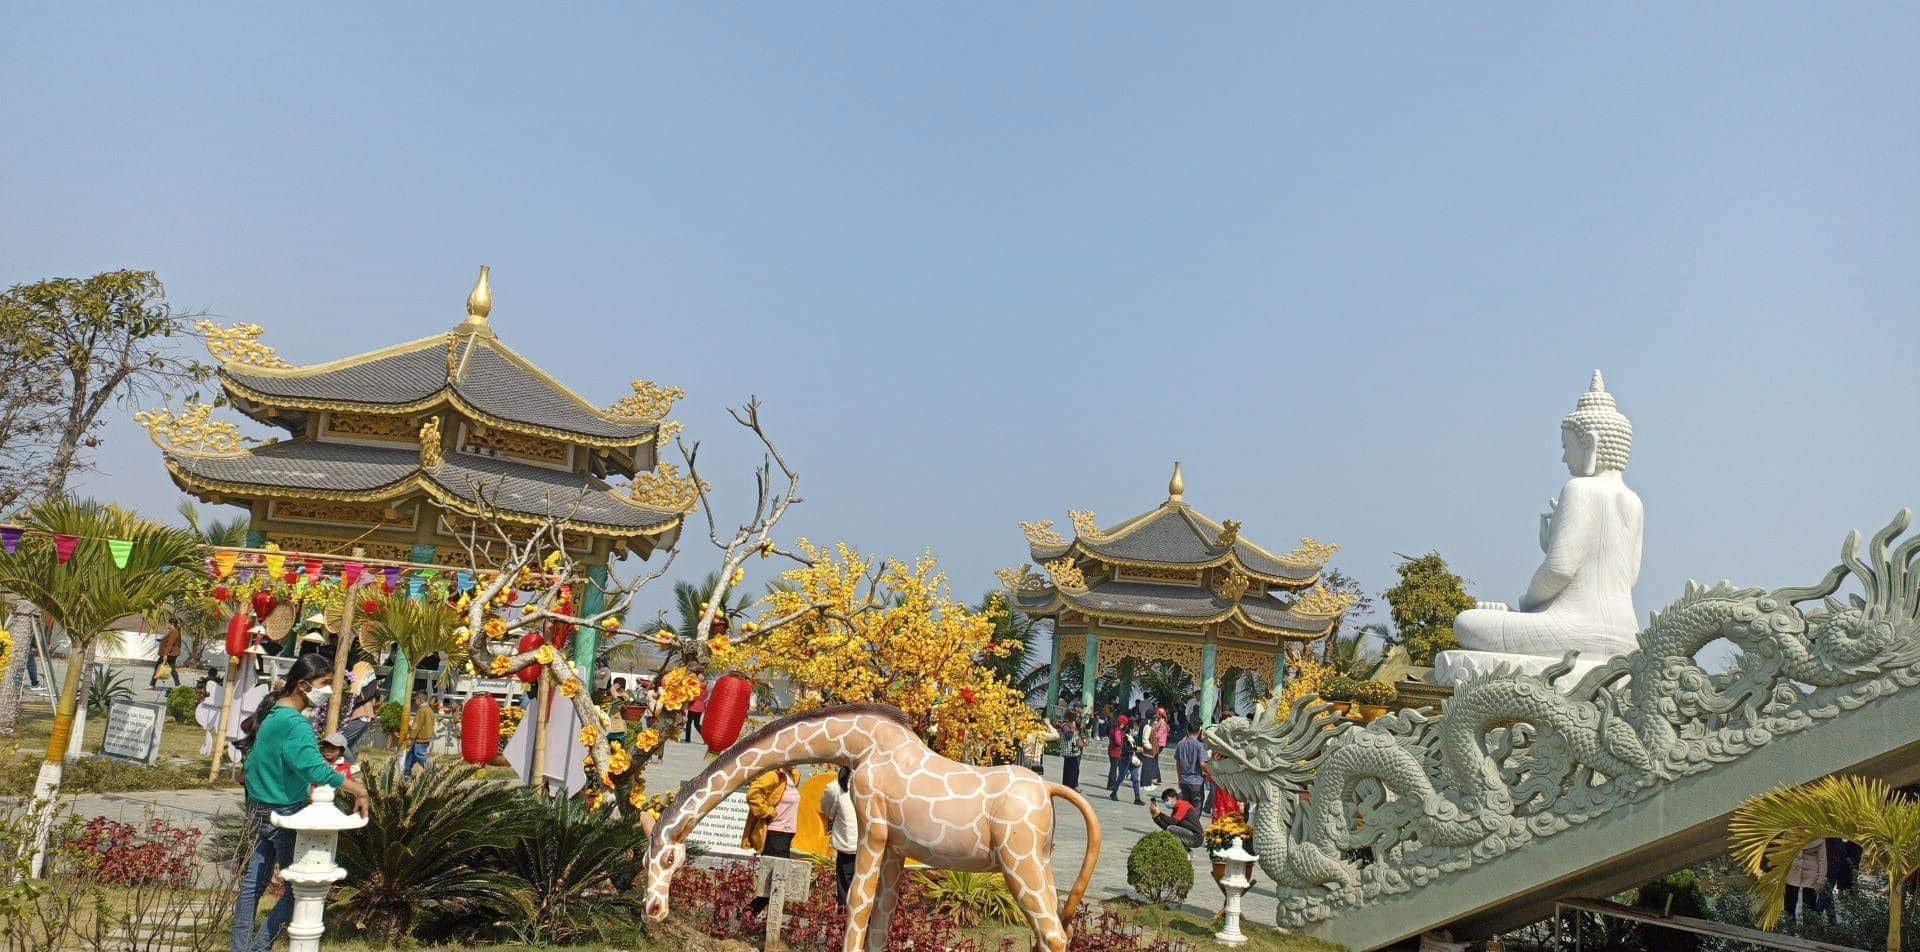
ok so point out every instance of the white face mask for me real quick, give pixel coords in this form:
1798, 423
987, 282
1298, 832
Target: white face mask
320, 694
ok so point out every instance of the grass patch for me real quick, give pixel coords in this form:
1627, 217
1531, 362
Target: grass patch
180, 765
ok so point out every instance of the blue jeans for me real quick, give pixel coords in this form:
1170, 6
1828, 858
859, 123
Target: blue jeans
272, 849
416, 754
1124, 770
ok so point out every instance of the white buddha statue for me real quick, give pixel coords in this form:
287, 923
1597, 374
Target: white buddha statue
1581, 597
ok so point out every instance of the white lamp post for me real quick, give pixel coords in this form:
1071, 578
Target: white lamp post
1235, 883
316, 832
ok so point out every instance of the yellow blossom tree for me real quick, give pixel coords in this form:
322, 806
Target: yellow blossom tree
854, 628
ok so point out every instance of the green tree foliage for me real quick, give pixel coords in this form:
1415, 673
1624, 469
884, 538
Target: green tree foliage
1025, 669
573, 868
69, 348
1424, 604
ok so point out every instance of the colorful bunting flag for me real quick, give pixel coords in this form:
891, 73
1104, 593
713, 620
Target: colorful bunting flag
121, 549
223, 562
313, 570
274, 560
351, 573
10, 538
464, 582
63, 547
415, 587
393, 577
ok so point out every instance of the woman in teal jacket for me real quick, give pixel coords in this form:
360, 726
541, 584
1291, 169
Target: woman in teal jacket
283, 766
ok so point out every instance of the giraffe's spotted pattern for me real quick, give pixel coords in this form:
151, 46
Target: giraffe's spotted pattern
911, 803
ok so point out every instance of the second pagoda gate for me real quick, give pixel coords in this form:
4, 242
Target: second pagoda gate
1172, 585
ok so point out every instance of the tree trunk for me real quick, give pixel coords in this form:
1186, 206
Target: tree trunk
1896, 893
340, 653
47, 788
14, 675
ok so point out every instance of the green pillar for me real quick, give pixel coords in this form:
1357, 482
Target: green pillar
400, 681
1279, 672
1208, 690
1089, 670
1053, 676
586, 641
1125, 673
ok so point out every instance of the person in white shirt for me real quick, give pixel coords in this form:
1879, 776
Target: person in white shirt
836, 810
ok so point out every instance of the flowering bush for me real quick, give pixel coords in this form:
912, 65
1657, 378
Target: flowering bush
119, 854
1225, 829
717, 902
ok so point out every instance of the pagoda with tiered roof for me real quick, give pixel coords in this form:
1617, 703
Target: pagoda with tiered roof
1172, 585
390, 453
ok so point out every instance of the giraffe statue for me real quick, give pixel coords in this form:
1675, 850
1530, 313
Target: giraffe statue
910, 803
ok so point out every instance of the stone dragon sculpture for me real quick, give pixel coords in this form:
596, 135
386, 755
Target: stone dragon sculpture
1346, 813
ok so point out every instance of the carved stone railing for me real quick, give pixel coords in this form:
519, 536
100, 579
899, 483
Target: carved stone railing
1417, 820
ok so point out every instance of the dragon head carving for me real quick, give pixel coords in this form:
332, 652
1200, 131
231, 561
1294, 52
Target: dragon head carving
1267, 756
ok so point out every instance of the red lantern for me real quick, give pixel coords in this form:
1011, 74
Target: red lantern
264, 603
726, 712
480, 730
237, 638
531, 641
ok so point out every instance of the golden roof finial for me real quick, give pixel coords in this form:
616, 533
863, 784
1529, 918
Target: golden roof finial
480, 301
1177, 486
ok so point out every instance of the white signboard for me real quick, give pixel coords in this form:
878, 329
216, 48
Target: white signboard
133, 731
718, 833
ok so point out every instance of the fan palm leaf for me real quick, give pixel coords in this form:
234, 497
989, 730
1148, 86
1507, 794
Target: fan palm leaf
571, 866
417, 628
1769, 831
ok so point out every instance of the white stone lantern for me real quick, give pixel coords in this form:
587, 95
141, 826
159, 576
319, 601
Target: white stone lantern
316, 832
1236, 882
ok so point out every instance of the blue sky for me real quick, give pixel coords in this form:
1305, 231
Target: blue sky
1350, 264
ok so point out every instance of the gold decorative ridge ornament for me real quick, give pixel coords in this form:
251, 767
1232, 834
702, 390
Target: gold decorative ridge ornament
1013, 577
1066, 576
1233, 586
1084, 525
238, 344
665, 489
1320, 603
1229, 534
649, 402
193, 432
1310, 554
1041, 533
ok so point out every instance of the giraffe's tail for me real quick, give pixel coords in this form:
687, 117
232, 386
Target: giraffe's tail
1072, 905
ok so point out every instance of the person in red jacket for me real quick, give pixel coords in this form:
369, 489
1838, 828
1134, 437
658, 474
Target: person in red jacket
1179, 817
694, 710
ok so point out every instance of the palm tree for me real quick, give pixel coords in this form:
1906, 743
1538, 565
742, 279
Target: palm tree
89, 593
1768, 831
1024, 670
1349, 653
228, 532
690, 601
1167, 684
417, 628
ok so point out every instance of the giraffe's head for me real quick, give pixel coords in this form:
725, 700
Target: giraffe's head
666, 851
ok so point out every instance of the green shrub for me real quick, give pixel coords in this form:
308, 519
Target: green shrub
1159, 868
971, 898
107, 690
1375, 693
180, 704
392, 714
430, 856
575, 868
1337, 688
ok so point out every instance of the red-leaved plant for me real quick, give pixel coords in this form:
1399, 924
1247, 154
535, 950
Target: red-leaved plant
119, 854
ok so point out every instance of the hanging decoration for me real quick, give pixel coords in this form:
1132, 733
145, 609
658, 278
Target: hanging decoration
416, 586
274, 561
463, 582
237, 637
263, 604
63, 546
121, 550
10, 538
351, 572
313, 570
531, 641
480, 730
393, 578
726, 712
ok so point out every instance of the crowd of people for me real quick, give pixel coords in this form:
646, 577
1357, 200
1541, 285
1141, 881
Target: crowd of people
1136, 740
